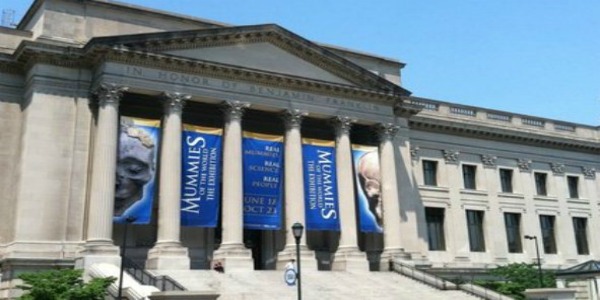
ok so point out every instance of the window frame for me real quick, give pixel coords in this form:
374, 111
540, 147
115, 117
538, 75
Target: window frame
430, 174
475, 223
548, 234
469, 180
513, 232
506, 184
581, 236
541, 186
435, 222
573, 186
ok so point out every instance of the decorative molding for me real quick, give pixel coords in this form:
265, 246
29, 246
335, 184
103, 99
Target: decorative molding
109, 93
557, 168
451, 156
343, 124
489, 160
387, 131
414, 152
206, 68
273, 34
524, 164
588, 172
234, 110
433, 122
174, 101
293, 118
11, 68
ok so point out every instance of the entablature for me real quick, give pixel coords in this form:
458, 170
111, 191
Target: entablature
478, 122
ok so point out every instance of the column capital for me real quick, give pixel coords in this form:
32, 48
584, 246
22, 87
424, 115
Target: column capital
109, 93
293, 118
234, 110
387, 131
343, 124
174, 102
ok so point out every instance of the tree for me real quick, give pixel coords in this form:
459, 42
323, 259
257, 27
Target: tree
517, 278
65, 284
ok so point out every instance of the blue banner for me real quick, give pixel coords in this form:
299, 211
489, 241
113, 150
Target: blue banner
320, 185
368, 189
136, 170
200, 176
263, 177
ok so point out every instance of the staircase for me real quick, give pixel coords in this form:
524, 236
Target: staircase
317, 285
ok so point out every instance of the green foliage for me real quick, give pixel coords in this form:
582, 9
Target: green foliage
65, 284
518, 277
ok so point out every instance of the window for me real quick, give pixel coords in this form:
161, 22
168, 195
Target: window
547, 224
469, 177
506, 180
580, 227
475, 229
573, 183
435, 228
430, 172
513, 232
540, 184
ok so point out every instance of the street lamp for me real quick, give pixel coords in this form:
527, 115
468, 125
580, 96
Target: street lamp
537, 252
297, 229
128, 221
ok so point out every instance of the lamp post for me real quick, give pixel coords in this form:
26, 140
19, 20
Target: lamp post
537, 252
128, 221
297, 229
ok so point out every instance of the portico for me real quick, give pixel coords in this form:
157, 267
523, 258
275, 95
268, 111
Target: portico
285, 104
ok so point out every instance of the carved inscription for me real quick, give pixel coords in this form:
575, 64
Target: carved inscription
199, 81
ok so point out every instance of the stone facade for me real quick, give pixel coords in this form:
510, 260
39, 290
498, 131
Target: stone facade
68, 73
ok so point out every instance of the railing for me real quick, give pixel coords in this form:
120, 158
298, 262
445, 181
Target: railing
162, 282
444, 108
442, 284
482, 292
463, 111
423, 277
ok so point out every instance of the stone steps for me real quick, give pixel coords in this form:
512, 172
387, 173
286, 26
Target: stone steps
270, 285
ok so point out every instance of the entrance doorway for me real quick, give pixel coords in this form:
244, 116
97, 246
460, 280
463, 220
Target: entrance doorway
263, 246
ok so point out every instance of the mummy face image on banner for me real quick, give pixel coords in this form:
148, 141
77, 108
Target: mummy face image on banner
370, 179
135, 166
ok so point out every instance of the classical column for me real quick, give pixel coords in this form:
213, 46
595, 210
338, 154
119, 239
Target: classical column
348, 256
168, 252
389, 195
232, 252
294, 192
99, 246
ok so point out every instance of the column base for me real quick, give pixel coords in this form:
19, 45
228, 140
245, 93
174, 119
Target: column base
307, 258
94, 252
389, 255
168, 256
234, 257
350, 259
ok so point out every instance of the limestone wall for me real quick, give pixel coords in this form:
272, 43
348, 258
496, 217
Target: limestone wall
79, 21
451, 152
52, 163
11, 91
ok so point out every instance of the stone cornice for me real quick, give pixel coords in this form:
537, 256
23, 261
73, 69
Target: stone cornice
228, 72
11, 67
501, 134
276, 35
30, 53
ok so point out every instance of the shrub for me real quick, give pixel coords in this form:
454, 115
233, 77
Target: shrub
64, 284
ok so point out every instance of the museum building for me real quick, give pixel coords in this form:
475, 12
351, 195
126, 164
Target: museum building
207, 141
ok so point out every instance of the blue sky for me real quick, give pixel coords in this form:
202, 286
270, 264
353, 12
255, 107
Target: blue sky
534, 57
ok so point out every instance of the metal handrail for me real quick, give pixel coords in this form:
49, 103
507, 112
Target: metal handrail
442, 284
422, 276
482, 292
161, 282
